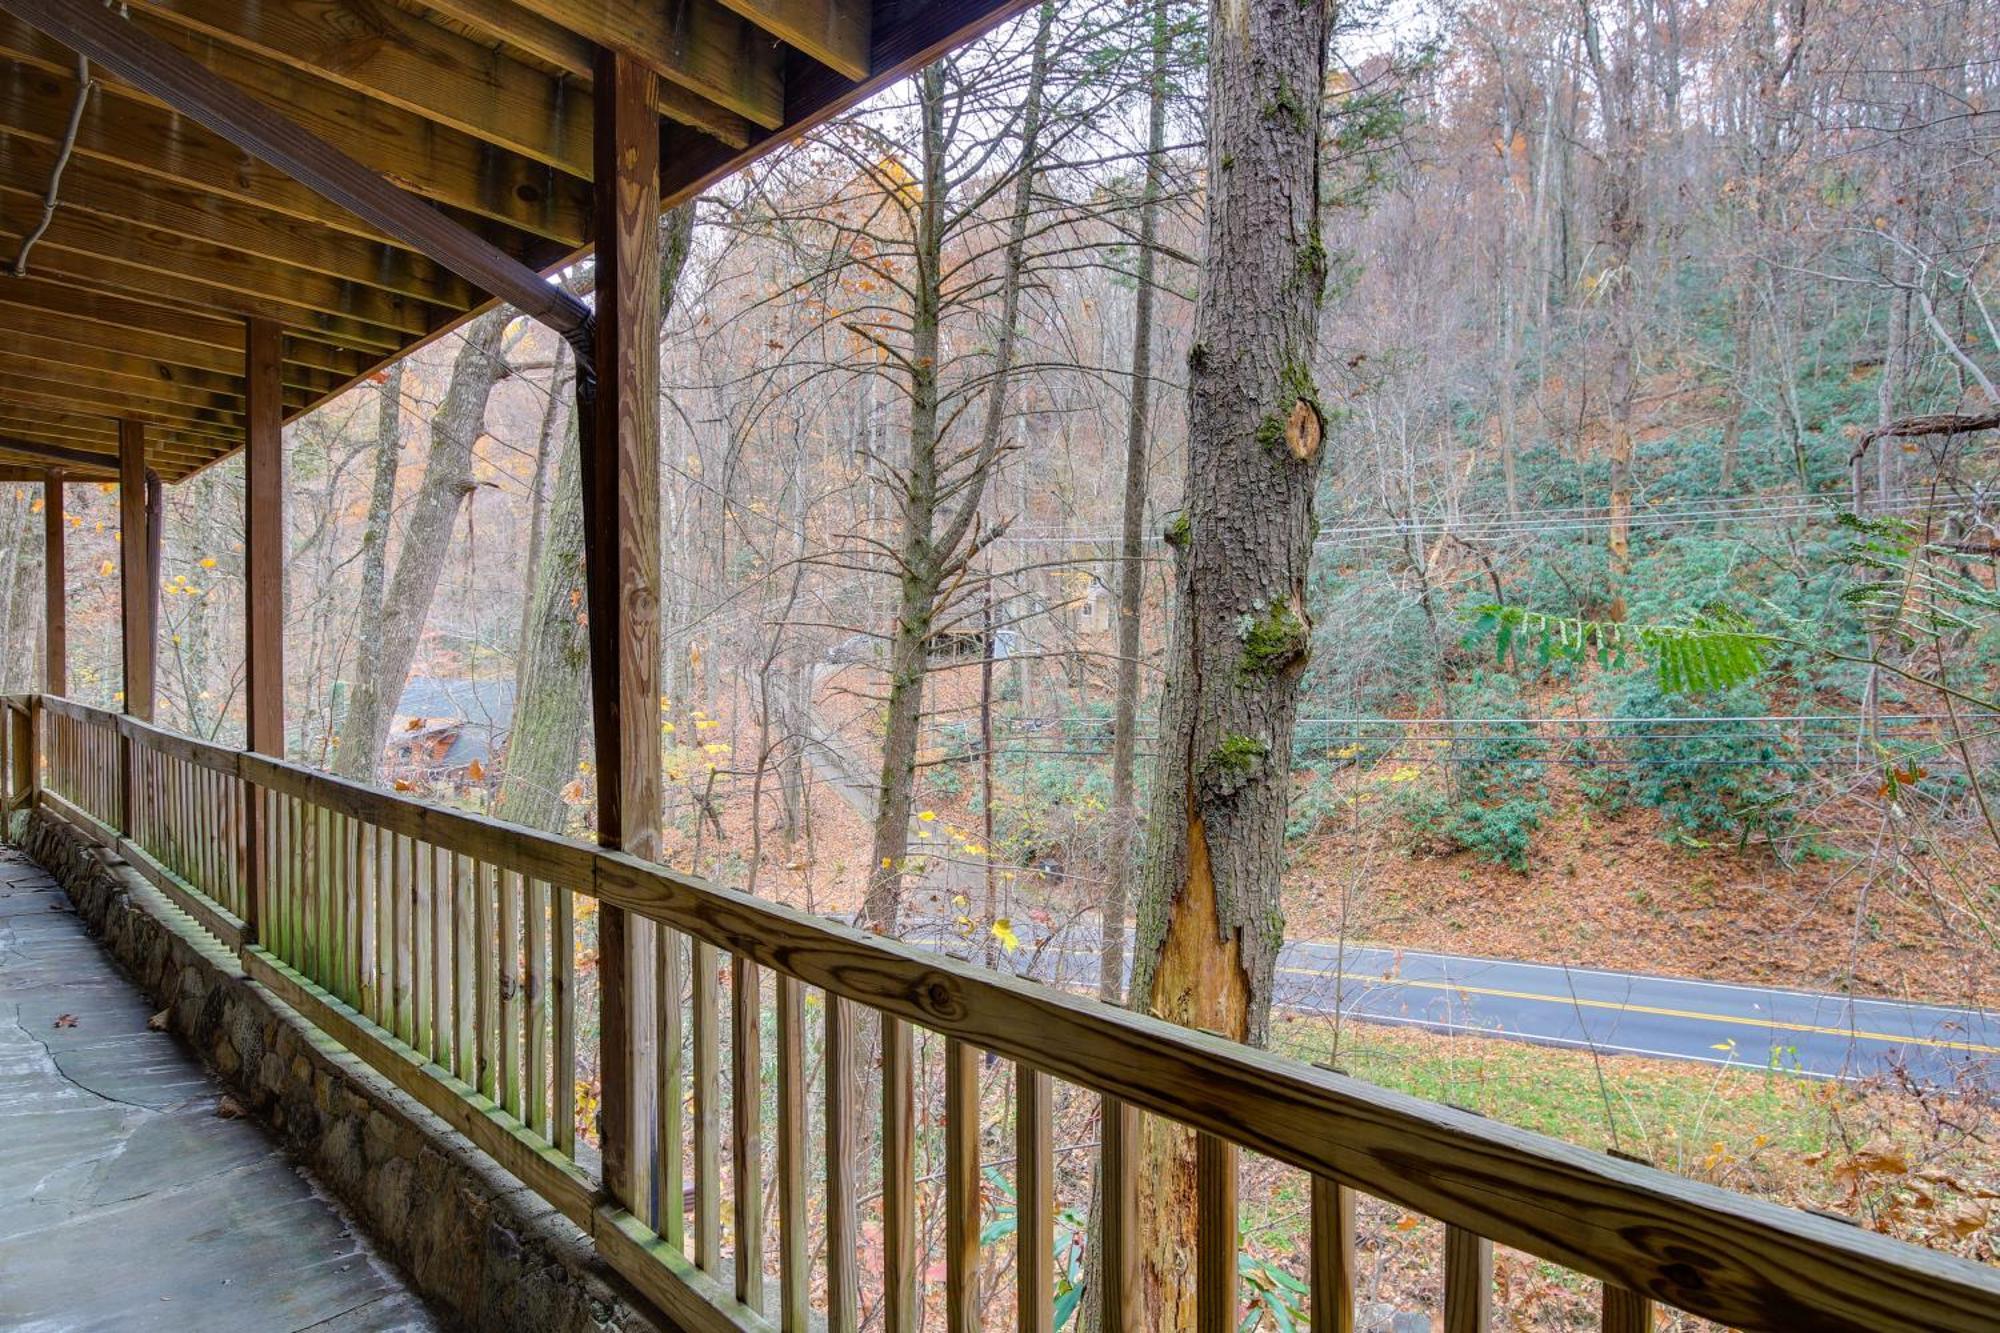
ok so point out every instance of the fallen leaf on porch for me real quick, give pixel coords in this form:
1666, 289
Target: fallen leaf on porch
158, 1022
65, 1020
228, 1108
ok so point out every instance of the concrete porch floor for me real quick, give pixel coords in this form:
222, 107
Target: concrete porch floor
126, 1202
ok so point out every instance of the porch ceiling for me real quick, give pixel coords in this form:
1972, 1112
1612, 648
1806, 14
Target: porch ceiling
167, 236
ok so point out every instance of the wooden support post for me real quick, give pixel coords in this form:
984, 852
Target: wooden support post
55, 586
264, 593
138, 598
619, 414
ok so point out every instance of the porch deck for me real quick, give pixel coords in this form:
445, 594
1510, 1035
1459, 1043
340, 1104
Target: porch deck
110, 1146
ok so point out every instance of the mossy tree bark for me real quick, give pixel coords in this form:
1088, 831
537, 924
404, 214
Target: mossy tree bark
1209, 920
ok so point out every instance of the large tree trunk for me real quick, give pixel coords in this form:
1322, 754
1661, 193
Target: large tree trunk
550, 681
1209, 916
1115, 906
406, 604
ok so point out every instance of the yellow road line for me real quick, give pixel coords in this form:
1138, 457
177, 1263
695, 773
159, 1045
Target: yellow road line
1766, 1024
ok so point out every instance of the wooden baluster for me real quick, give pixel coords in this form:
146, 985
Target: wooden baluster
707, 1111
794, 1276
486, 983
1118, 1195
670, 1184
351, 891
510, 992
463, 989
366, 864
1034, 1202
1215, 1234
746, 1107
1468, 1281
312, 937
1626, 1311
564, 992
296, 936
442, 1023
536, 978
961, 1186
421, 959
402, 904
843, 1237
1332, 1273
902, 1302
361, 954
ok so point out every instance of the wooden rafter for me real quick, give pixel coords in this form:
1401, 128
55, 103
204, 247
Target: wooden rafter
444, 165
694, 43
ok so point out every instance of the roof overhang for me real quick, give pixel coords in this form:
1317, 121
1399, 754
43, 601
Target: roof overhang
170, 233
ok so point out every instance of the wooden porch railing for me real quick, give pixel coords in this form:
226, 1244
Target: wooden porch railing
443, 949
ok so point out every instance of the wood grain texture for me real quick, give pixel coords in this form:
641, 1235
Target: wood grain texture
1215, 1221
137, 601
1332, 1265
1118, 1192
961, 1187
1626, 1311
746, 1110
902, 1299
621, 575
1034, 1202
163, 71
1468, 1281
55, 584
843, 1275
794, 1272
696, 44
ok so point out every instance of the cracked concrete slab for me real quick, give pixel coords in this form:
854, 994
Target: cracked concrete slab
125, 1202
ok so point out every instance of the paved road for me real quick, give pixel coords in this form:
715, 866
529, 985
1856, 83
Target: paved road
1628, 1013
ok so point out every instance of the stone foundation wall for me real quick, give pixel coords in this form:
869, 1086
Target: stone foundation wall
484, 1250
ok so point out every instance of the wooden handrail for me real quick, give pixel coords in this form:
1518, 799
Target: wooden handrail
1721, 1255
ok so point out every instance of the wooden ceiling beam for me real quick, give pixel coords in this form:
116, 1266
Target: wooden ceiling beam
87, 386
510, 25
696, 44
123, 266
200, 92
172, 452
441, 164
396, 57
181, 211
35, 472
135, 371
178, 335
92, 343
833, 32
90, 400
25, 421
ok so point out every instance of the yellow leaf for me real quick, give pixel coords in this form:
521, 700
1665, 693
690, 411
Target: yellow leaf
106, 569
1405, 774
208, 562
927, 815
1003, 930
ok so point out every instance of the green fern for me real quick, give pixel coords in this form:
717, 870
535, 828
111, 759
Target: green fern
1712, 651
